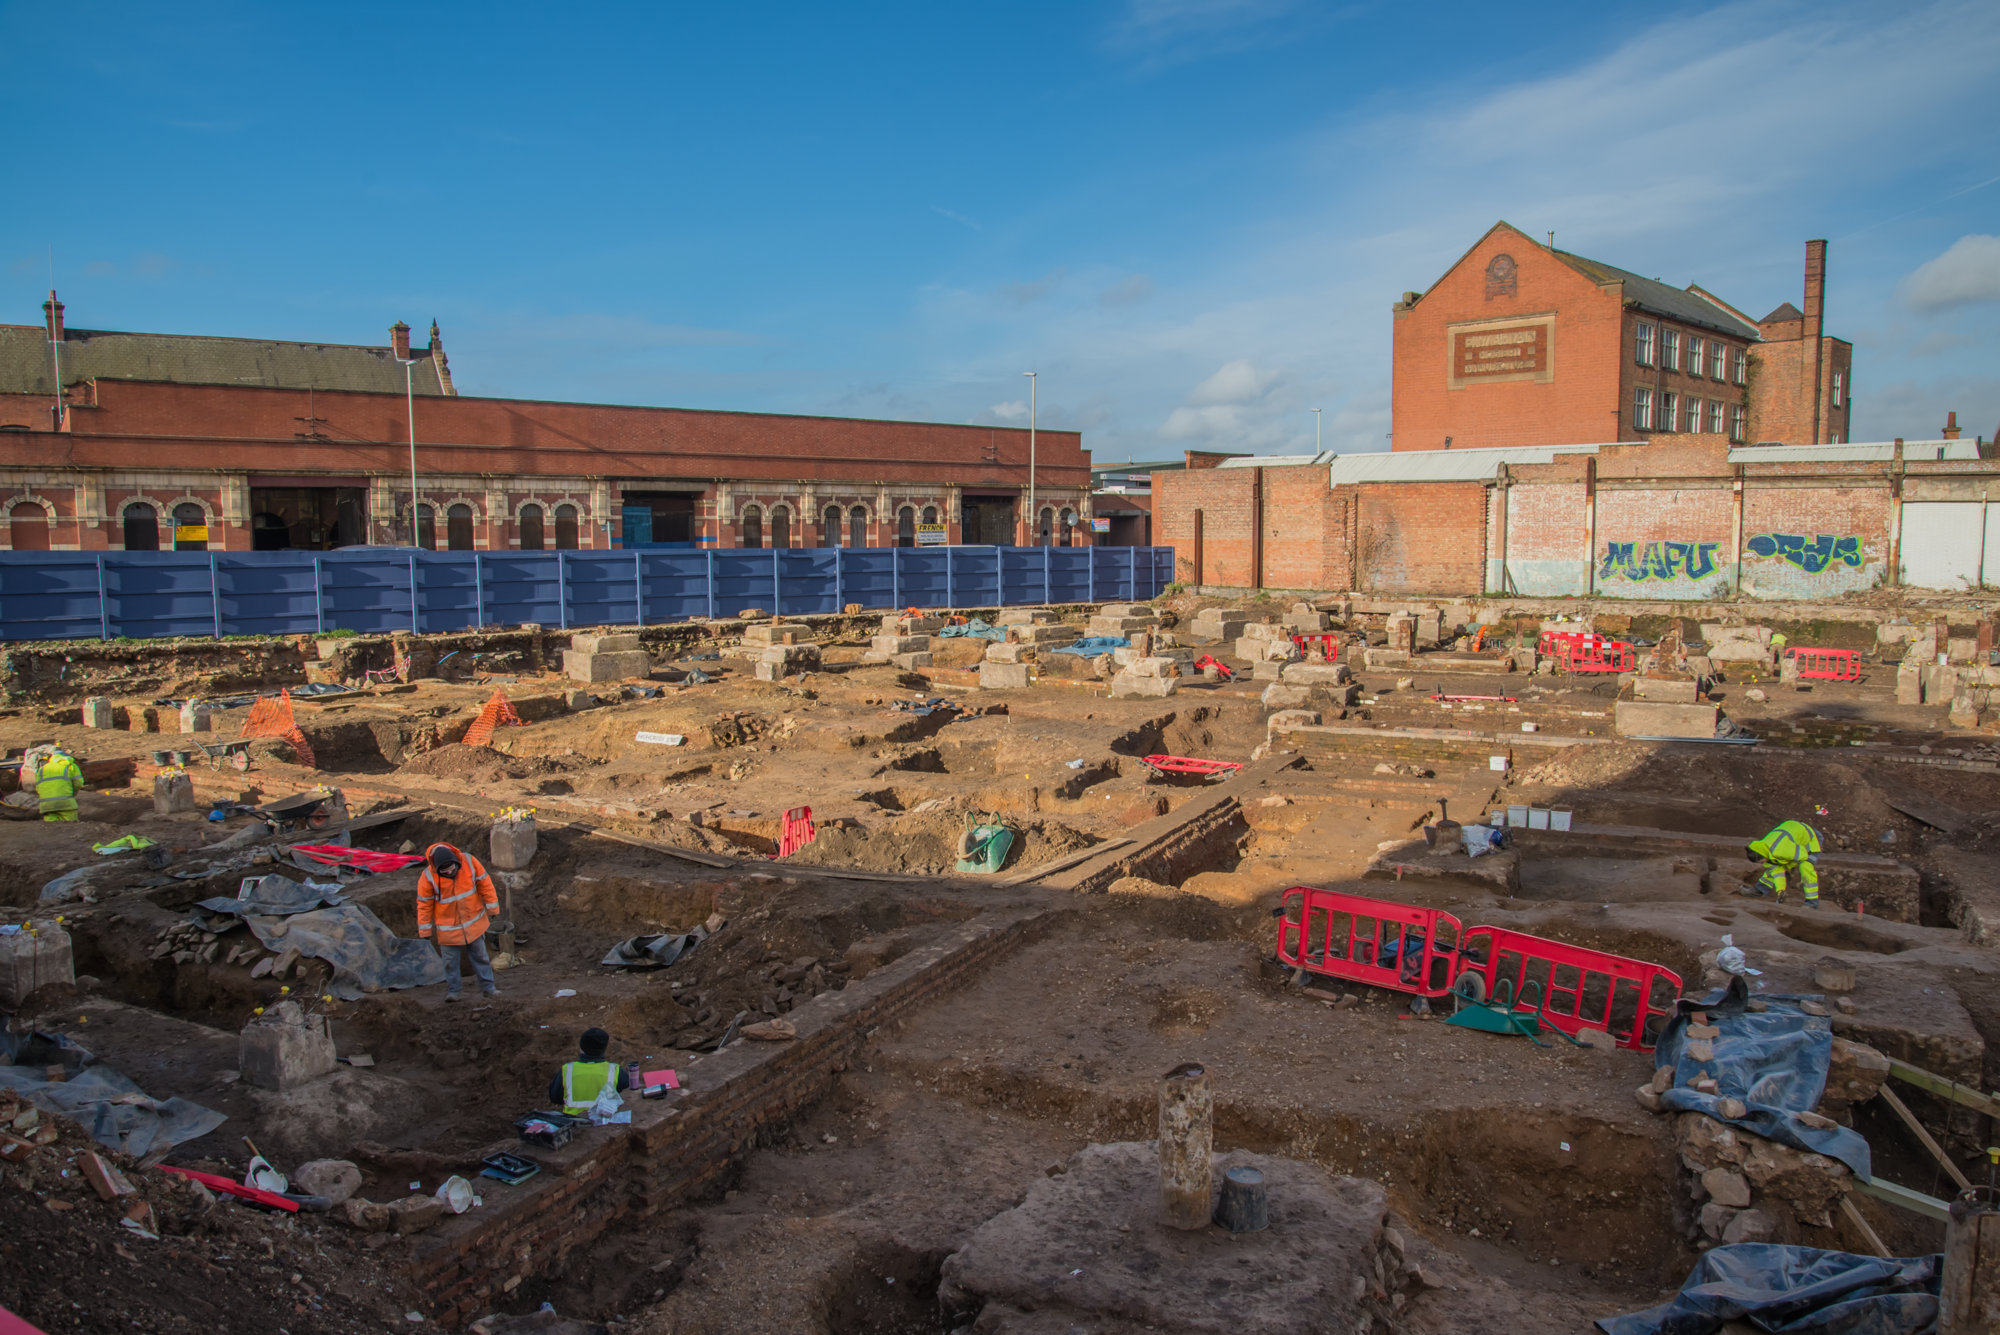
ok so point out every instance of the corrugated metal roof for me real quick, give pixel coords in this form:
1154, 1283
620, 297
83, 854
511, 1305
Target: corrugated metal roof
1279, 460
196, 359
1443, 465
1867, 452
1651, 294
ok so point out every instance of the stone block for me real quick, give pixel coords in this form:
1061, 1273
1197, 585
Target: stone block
1264, 630
1005, 653
1962, 649
1003, 676
98, 713
510, 844
1217, 623
1120, 626
900, 644
1386, 658
1280, 696
1128, 684
1307, 623
1153, 667
196, 717
1714, 633
574, 700
1291, 718
1141, 610
1940, 683
1739, 651
1524, 660
1653, 718
414, 1214
34, 959
172, 794
335, 1179
1403, 634
1672, 690
1909, 685
284, 1048
1726, 1186
1317, 674
610, 666
1026, 616
605, 642
776, 632
1266, 669
911, 662
1049, 633
793, 656
1965, 711
763, 671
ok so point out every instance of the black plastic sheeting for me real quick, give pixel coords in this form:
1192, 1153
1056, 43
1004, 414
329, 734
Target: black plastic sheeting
273, 896
1796, 1291
117, 1113
366, 956
654, 952
1774, 1061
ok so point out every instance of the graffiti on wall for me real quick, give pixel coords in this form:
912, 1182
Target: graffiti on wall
1821, 553
1658, 561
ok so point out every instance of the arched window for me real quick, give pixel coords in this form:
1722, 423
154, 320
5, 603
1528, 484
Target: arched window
781, 526
857, 526
142, 528
1045, 533
29, 527
829, 527
930, 514
427, 532
531, 528
906, 527
190, 528
269, 532
565, 528
458, 527
753, 526
1068, 534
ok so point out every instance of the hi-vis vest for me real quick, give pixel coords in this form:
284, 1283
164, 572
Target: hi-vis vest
582, 1082
1791, 843
56, 783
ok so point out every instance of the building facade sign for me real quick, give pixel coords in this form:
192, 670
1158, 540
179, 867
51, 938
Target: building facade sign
1492, 351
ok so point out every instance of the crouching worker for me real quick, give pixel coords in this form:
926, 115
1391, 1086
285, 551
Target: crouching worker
1789, 848
456, 900
56, 778
579, 1083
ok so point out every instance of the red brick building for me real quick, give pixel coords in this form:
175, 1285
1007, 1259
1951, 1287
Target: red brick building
1523, 344
243, 444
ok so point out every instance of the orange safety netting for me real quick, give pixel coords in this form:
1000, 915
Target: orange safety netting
272, 717
499, 710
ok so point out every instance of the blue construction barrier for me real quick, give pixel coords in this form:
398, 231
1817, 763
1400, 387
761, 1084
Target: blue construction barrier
150, 595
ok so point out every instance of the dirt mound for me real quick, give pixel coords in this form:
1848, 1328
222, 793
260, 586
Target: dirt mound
480, 764
927, 843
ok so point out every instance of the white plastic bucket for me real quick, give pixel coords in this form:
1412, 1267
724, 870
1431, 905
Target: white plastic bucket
456, 1193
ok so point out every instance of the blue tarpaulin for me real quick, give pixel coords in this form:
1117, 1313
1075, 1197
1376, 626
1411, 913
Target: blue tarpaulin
1090, 646
1796, 1291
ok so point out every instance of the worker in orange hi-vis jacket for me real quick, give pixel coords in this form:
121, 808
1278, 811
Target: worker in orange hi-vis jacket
456, 900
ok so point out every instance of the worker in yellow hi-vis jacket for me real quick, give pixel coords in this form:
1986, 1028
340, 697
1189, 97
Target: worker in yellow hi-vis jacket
1790, 848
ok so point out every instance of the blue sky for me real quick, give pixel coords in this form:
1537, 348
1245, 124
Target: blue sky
1189, 216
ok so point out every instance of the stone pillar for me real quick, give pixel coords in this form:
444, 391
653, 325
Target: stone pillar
1970, 1299
195, 717
172, 794
97, 712
1186, 1135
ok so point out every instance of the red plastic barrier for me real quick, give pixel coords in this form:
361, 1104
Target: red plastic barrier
1597, 655
1328, 646
1367, 940
796, 832
1826, 664
1191, 765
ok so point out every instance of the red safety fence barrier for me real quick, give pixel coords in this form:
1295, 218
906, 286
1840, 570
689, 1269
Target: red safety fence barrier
1428, 952
1222, 669
1190, 765
1327, 646
1597, 655
796, 832
1552, 641
272, 717
1826, 664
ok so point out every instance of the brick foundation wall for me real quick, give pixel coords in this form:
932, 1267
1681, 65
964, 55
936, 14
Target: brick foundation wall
734, 1102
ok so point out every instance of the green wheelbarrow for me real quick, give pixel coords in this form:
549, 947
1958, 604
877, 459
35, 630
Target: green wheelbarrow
984, 846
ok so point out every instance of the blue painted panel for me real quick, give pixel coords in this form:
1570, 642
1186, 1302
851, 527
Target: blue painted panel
522, 588
1021, 573
805, 582
676, 585
920, 575
602, 589
868, 577
975, 576
742, 580
49, 596
1069, 574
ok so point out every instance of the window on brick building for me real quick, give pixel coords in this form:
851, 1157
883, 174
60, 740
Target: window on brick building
531, 528
1718, 359
458, 528
1670, 349
906, 526
1837, 380
857, 526
1669, 410
1068, 538
142, 528
1737, 359
1737, 416
930, 514
1715, 416
565, 528
1045, 530
427, 533
829, 527
781, 526
1644, 343
28, 524
1642, 409
753, 526
1694, 414
1697, 354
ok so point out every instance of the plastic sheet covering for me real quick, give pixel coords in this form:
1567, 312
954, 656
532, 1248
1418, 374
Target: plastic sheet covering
366, 956
117, 1113
273, 896
654, 952
1796, 1290
977, 629
1774, 1061
1090, 646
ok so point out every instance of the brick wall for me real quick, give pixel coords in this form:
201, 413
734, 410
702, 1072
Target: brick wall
1425, 537
1303, 541
1803, 541
734, 1101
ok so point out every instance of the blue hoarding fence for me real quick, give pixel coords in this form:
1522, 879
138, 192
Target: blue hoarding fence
373, 590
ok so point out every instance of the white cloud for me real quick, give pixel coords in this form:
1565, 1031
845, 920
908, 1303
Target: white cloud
1966, 274
1129, 291
1238, 382
1011, 411
1023, 293
958, 218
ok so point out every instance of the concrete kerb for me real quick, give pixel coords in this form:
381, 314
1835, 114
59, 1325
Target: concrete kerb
672, 1151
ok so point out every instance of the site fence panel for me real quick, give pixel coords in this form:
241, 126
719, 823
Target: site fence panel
375, 590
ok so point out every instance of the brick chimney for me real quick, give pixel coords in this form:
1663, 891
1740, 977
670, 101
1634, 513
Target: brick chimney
399, 339
1810, 331
52, 317
1951, 426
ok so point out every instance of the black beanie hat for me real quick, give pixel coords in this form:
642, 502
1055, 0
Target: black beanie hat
444, 858
594, 1042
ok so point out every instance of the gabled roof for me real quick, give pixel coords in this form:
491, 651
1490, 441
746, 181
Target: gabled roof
26, 366
1650, 294
1787, 311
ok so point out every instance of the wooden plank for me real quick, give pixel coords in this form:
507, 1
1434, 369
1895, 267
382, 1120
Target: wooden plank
1937, 815
1149, 833
1943, 1088
1930, 1207
1902, 1110
1036, 873
1868, 1235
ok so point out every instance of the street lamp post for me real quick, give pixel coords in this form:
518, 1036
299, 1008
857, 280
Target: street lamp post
1316, 437
410, 401
1034, 519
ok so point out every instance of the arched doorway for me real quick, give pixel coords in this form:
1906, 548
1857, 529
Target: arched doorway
857, 526
753, 526
142, 528
458, 527
829, 527
906, 527
565, 528
427, 530
190, 528
28, 527
1068, 530
531, 528
781, 526
1045, 529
